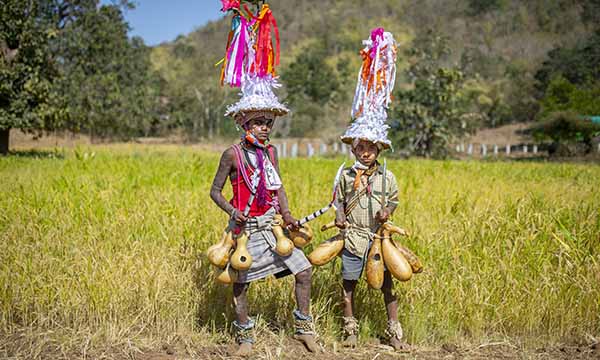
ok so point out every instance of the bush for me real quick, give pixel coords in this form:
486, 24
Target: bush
566, 128
430, 115
562, 95
478, 7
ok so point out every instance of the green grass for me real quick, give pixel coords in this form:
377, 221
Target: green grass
104, 245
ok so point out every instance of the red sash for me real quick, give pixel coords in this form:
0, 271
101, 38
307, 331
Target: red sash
242, 183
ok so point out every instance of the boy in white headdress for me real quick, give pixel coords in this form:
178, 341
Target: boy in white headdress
252, 68
359, 211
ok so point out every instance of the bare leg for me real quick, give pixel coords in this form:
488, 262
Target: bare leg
303, 283
303, 322
349, 286
394, 330
391, 302
241, 310
350, 323
241, 302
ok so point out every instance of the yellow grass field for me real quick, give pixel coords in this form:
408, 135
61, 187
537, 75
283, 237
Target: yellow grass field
102, 254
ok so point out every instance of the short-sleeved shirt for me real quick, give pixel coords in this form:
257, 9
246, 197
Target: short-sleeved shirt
362, 217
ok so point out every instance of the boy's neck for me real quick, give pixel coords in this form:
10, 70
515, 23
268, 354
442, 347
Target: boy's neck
361, 166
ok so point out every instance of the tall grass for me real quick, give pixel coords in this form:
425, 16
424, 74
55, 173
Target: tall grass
106, 245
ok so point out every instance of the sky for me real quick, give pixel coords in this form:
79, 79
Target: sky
158, 21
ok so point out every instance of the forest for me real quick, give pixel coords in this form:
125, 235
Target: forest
463, 65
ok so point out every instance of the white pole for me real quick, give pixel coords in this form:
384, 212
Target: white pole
495, 150
294, 150
484, 150
507, 149
323, 149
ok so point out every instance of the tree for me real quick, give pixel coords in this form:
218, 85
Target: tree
311, 83
26, 69
571, 133
69, 64
478, 7
194, 102
106, 83
591, 12
562, 95
579, 64
309, 77
428, 116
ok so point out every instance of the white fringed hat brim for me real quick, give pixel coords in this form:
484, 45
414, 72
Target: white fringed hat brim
257, 95
256, 103
385, 144
370, 127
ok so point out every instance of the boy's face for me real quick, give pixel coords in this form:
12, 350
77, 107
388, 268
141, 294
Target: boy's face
260, 128
366, 152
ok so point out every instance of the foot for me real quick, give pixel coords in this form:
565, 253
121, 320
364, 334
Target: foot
309, 341
244, 350
399, 345
350, 331
350, 341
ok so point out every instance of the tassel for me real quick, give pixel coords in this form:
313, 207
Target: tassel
237, 48
266, 57
224, 60
376, 35
377, 74
229, 5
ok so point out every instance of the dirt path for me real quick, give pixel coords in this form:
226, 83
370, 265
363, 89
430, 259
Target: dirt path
295, 351
21, 347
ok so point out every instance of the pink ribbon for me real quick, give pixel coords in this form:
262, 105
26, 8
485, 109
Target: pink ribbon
376, 35
240, 44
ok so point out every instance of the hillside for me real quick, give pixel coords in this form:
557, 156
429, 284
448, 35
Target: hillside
498, 43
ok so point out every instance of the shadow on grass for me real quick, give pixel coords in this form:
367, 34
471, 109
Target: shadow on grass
531, 159
214, 305
37, 154
587, 159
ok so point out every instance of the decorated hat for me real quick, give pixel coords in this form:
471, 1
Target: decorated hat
249, 63
373, 90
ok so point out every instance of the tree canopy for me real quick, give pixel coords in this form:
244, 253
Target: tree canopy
429, 116
27, 68
69, 64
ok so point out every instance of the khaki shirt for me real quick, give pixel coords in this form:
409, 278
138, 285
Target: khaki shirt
362, 218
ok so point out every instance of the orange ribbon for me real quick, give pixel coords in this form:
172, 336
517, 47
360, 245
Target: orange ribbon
266, 57
359, 173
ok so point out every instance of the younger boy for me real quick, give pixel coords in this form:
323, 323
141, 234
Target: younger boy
360, 213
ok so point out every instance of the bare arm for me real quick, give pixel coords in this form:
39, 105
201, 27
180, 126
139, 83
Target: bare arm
226, 167
384, 214
392, 193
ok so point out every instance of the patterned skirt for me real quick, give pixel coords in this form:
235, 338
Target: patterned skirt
261, 246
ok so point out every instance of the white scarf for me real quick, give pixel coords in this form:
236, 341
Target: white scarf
272, 179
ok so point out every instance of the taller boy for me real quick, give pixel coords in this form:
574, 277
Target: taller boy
252, 167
